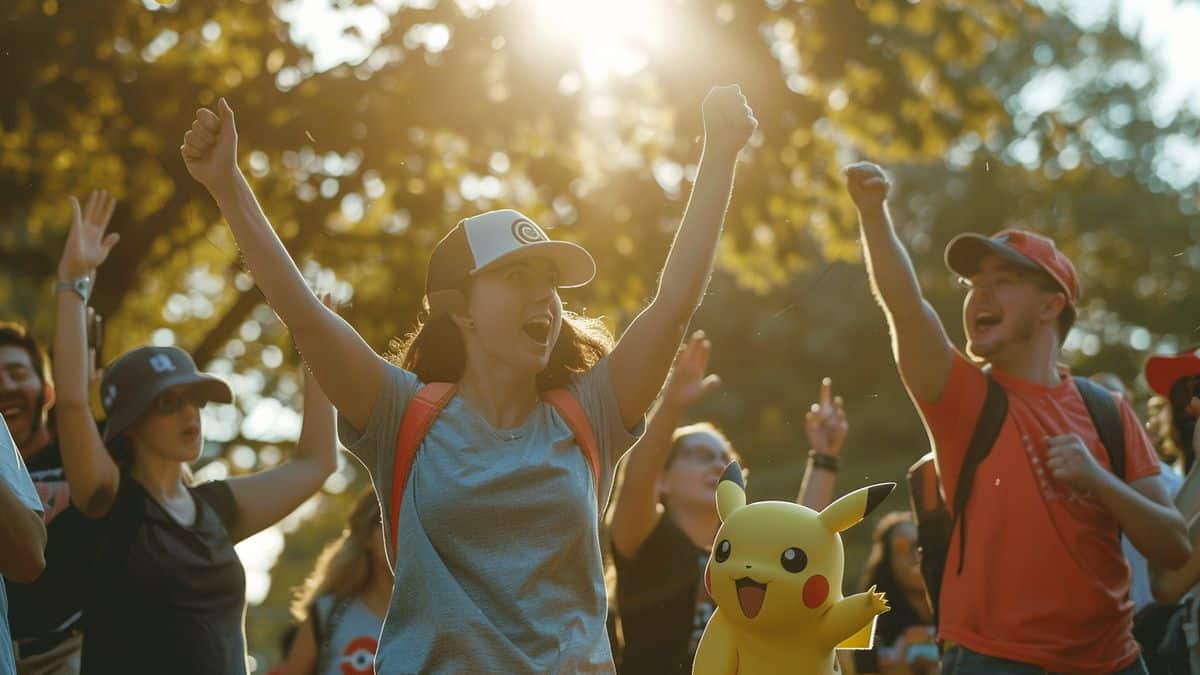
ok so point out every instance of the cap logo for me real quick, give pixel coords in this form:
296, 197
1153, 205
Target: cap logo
161, 363
110, 395
526, 232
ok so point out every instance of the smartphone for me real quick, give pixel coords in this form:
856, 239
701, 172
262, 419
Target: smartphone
95, 333
926, 651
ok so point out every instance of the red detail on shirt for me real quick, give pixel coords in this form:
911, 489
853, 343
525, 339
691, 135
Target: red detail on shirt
359, 656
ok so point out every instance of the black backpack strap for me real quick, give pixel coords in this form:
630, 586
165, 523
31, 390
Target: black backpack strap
318, 624
1106, 417
987, 430
340, 604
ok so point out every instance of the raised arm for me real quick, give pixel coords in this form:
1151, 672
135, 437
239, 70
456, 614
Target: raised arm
643, 355
348, 369
826, 427
91, 472
264, 498
635, 513
919, 342
850, 615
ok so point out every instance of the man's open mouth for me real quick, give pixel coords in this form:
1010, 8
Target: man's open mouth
538, 330
986, 321
751, 595
12, 408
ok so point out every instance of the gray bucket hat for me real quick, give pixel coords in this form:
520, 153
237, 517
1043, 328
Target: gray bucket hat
135, 378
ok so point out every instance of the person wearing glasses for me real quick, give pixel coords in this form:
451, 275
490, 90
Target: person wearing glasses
166, 590
665, 516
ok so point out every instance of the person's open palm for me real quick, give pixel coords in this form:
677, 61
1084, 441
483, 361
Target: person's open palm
688, 383
210, 147
88, 241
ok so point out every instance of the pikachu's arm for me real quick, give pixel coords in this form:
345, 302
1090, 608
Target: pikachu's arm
717, 652
849, 615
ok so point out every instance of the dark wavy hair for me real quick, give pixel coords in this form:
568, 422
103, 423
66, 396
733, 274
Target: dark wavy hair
878, 572
436, 352
1184, 423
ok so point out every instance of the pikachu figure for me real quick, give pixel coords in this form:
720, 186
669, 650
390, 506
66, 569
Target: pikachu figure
776, 577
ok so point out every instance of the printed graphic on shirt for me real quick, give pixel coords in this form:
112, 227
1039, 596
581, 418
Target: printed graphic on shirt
359, 656
54, 491
1079, 504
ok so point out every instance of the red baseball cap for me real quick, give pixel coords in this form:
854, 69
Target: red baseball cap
1022, 247
1162, 372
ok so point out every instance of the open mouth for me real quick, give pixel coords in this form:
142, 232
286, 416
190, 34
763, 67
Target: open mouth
537, 330
751, 595
987, 321
11, 408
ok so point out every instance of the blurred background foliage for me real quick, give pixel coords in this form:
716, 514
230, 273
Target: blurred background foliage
369, 128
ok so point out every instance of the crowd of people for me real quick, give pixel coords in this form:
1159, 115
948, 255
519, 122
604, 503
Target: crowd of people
497, 431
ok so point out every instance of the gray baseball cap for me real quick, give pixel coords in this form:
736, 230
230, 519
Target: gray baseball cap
135, 378
481, 242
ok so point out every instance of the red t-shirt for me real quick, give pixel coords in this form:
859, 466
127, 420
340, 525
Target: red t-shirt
1044, 581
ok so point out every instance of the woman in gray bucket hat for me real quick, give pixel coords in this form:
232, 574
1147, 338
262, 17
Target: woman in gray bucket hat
167, 591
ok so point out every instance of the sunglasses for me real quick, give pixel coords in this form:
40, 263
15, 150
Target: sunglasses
170, 402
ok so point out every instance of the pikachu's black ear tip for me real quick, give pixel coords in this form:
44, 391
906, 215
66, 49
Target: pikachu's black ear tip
733, 472
876, 494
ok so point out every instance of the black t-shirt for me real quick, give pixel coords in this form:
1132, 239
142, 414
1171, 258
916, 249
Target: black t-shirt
166, 598
662, 601
54, 601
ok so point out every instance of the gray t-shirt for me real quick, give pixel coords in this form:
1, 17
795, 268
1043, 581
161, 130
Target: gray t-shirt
498, 568
350, 636
15, 478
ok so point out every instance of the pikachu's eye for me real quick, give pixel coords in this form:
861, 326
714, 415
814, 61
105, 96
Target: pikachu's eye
723, 550
794, 560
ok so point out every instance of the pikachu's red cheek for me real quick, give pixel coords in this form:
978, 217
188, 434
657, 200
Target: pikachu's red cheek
816, 590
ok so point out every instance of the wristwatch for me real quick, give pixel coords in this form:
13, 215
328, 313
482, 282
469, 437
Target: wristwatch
824, 460
82, 286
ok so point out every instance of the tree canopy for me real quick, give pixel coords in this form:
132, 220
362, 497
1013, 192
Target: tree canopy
990, 113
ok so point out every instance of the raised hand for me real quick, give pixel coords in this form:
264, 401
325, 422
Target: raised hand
868, 184
210, 148
87, 242
825, 424
687, 383
728, 119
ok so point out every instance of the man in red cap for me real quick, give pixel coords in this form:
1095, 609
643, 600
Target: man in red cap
1177, 379
1040, 584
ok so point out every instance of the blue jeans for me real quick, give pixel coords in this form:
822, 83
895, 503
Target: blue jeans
959, 660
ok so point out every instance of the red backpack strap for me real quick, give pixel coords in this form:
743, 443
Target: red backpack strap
572, 413
419, 416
